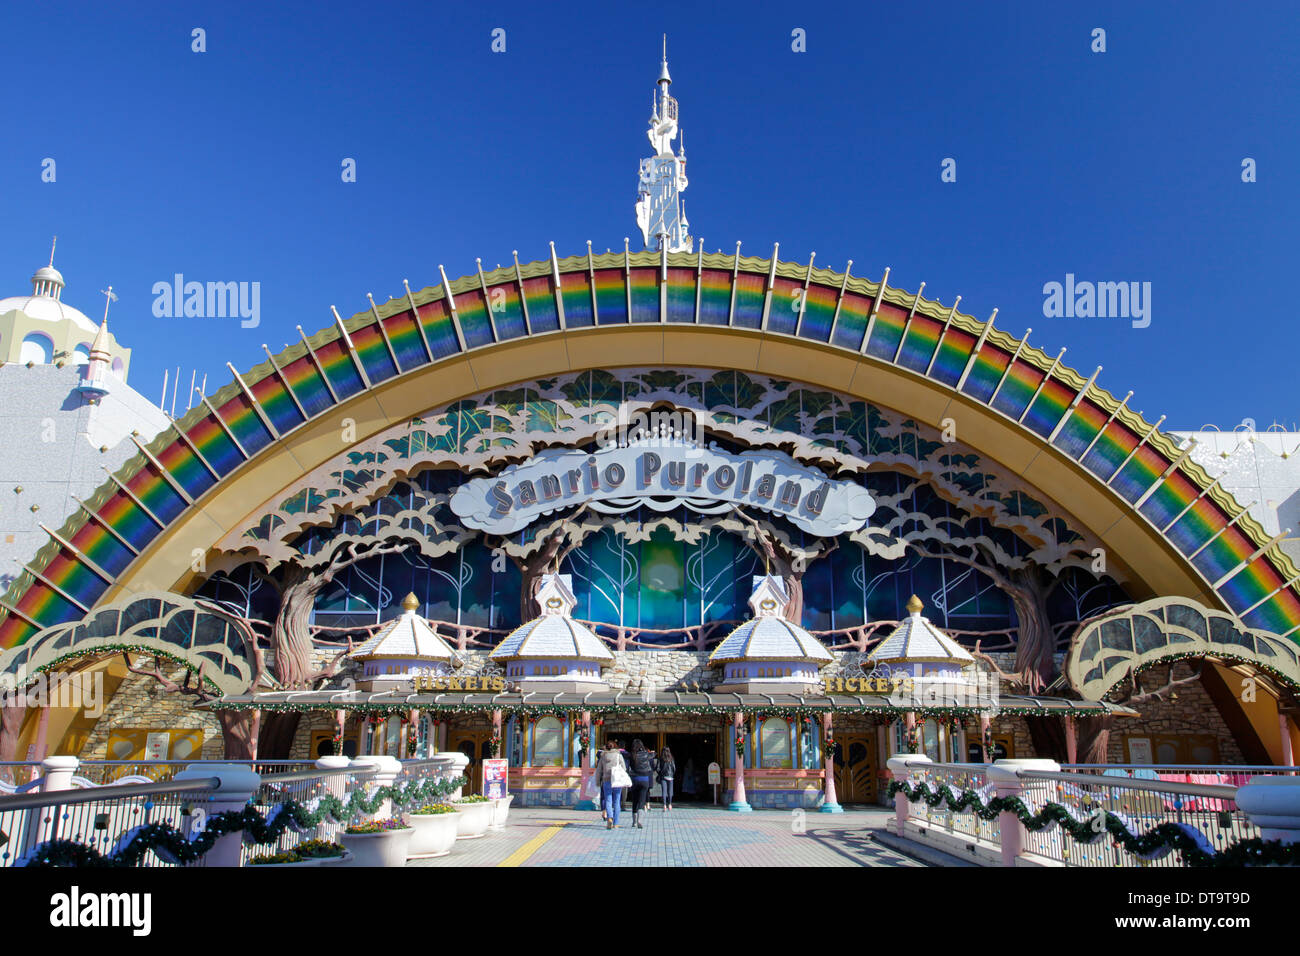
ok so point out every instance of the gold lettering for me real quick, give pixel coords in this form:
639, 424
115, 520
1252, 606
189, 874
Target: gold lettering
498, 683
828, 685
471, 683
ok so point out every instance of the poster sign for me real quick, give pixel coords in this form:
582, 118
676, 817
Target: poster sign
1139, 750
494, 777
157, 746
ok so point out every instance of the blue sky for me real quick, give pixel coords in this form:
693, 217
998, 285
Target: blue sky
1115, 166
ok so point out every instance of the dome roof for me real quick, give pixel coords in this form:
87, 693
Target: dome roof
553, 635
407, 636
770, 639
916, 640
45, 308
769, 636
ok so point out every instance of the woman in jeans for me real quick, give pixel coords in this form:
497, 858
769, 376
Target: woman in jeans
611, 794
667, 767
642, 771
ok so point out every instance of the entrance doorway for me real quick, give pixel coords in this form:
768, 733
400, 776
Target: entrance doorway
477, 746
855, 767
692, 753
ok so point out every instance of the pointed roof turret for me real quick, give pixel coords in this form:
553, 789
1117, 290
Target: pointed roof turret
769, 636
407, 637
553, 635
917, 641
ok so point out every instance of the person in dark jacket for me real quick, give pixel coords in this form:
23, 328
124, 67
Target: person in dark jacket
642, 770
664, 771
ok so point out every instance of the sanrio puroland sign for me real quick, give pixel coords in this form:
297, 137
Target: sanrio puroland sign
662, 475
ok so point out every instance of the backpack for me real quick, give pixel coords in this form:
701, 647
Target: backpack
641, 766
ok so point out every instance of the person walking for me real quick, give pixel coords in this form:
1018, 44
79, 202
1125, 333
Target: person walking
612, 776
642, 772
665, 770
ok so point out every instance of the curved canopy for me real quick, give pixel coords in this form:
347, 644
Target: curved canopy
1158, 513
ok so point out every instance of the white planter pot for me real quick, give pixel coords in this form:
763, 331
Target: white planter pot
281, 866
435, 833
473, 819
378, 849
501, 811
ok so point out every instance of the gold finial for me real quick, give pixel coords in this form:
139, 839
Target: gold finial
914, 605
411, 602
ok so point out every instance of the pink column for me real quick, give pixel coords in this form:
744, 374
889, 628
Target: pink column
1071, 740
909, 724
738, 802
984, 736
583, 802
42, 726
1288, 754
831, 805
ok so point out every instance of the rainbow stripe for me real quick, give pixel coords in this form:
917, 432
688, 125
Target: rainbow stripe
404, 334
854, 310
1143, 470
925, 348
784, 312
818, 313
575, 290
308, 385
644, 284
539, 295
1081, 428
611, 297
954, 353
921, 341
986, 372
715, 296
1110, 451
750, 290
1017, 388
435, 319
681, 296
887, 331
475, 324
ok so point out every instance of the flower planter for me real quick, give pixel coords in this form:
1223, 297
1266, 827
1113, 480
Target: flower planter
378, 849
501, 810
473, 819
435, 833
281, 866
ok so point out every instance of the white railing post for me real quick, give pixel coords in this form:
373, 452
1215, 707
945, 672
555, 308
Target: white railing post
43, 824
237, 785
900, 768
387, 770
1004, 775
459, 762
335, 785
1273, 805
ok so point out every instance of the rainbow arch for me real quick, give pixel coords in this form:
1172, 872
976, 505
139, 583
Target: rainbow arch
594, 310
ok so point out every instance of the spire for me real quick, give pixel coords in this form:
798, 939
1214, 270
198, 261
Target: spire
659, 210
48, 281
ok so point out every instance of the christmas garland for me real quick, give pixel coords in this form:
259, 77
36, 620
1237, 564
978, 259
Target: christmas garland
1154, 843
172, 846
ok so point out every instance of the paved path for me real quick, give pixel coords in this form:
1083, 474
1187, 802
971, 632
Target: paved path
685, 837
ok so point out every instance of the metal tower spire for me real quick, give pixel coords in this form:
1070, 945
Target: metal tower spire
659, 209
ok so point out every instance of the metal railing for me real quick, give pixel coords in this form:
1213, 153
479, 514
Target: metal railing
1139, 804
96, 818
1207, 813
302, 786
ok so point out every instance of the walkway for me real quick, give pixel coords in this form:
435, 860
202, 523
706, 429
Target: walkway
685, 837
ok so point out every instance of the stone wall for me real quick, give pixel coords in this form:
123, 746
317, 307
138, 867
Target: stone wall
141, 702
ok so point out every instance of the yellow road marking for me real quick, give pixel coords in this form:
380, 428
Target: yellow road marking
532, 846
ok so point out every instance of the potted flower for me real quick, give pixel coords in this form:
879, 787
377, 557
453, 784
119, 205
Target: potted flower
475, 816
282, 858
435, 830
322, 851
378, 842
